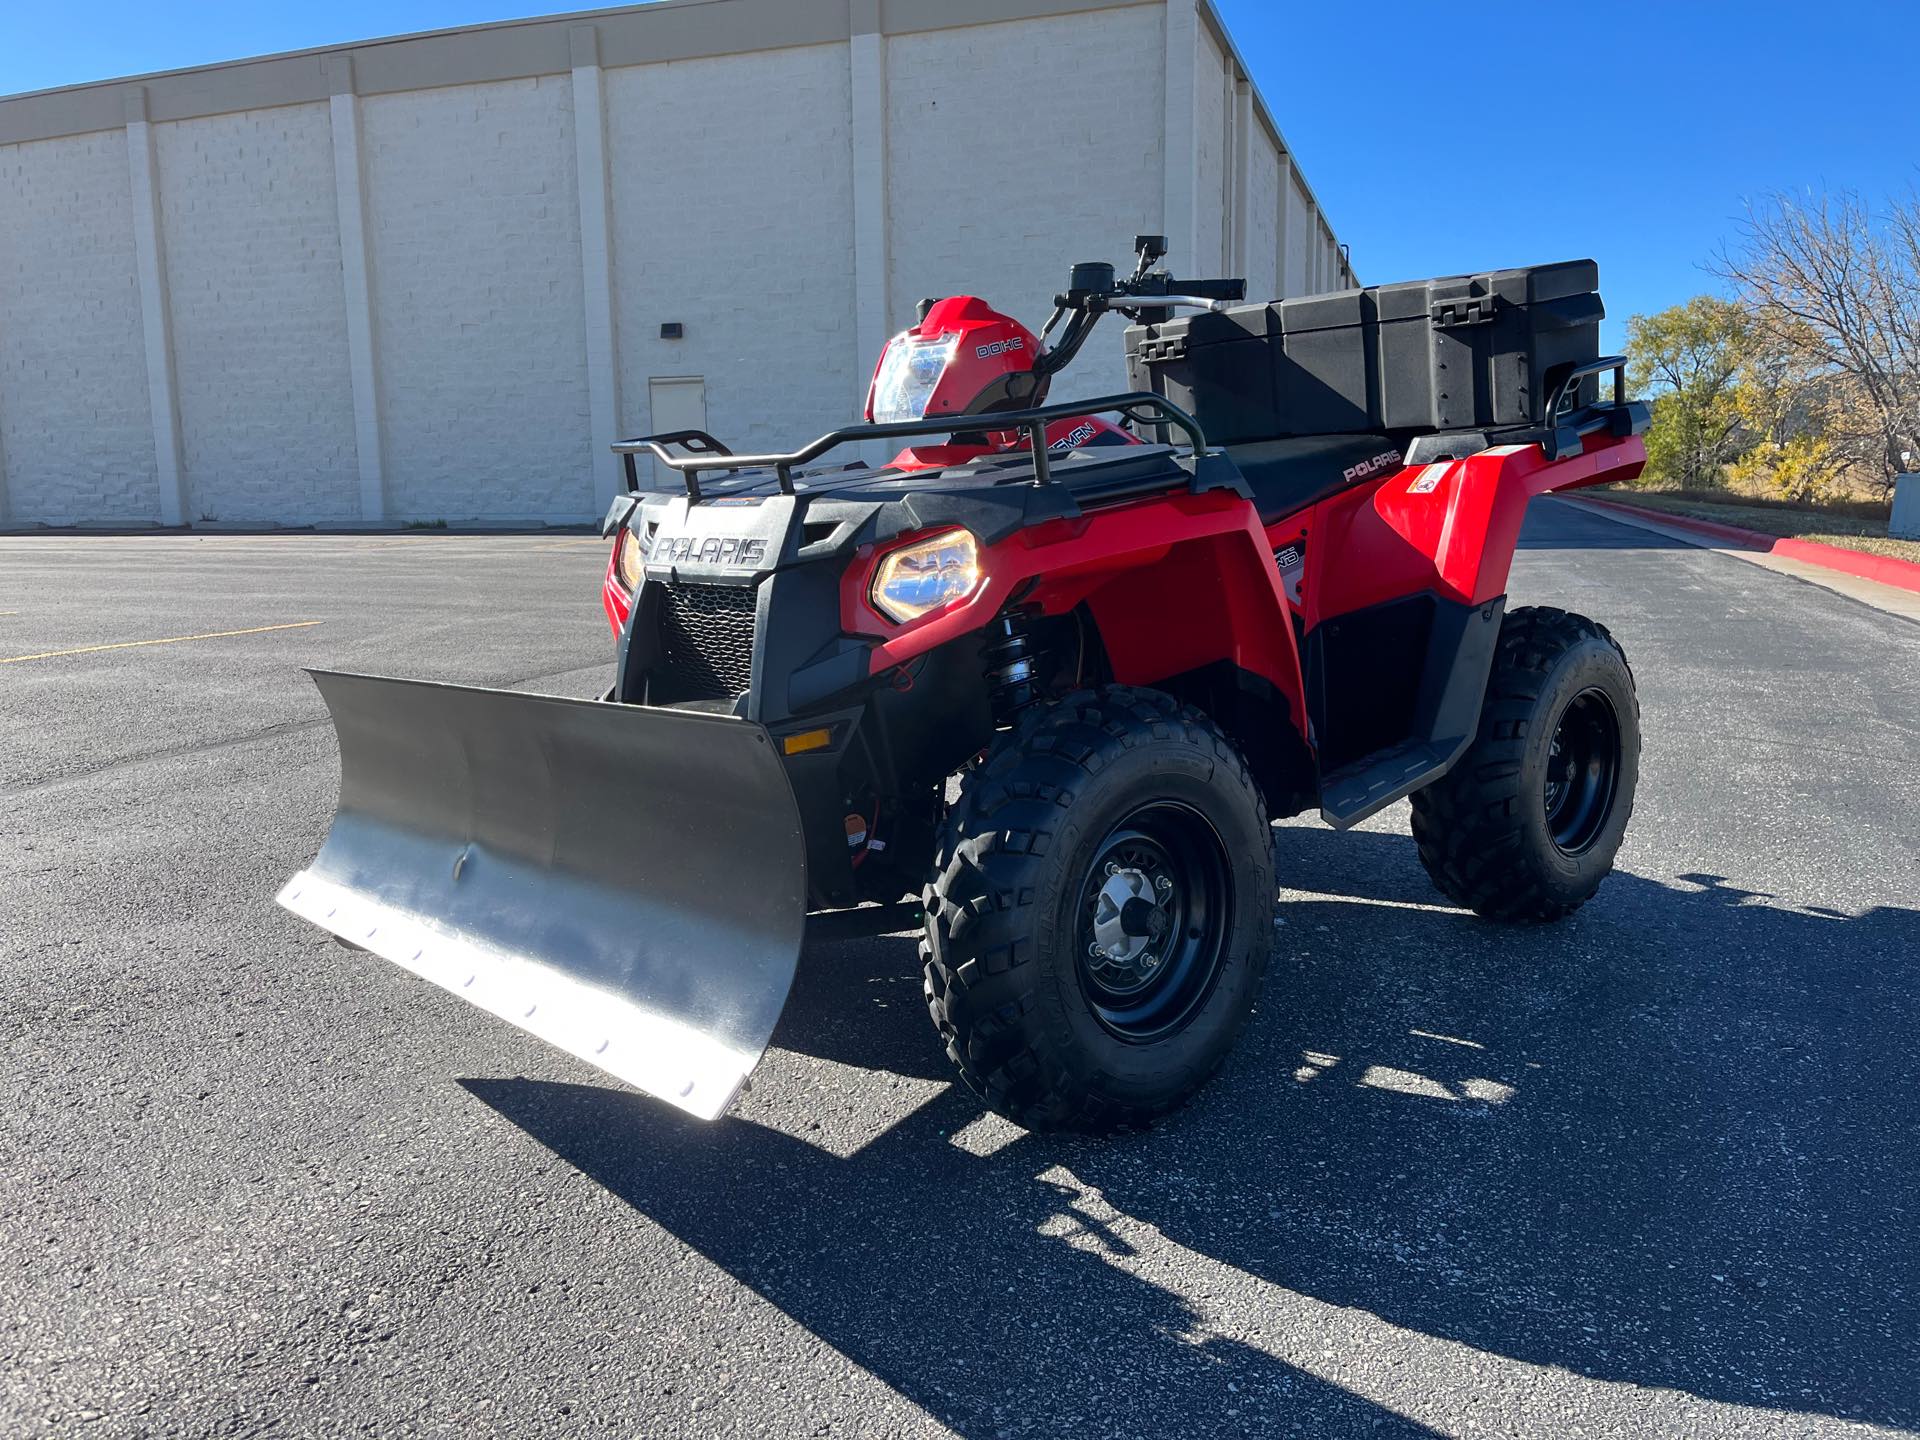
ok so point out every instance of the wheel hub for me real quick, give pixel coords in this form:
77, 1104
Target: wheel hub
1154, 907
1129, 916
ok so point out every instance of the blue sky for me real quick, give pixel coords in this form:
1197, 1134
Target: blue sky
1427, 130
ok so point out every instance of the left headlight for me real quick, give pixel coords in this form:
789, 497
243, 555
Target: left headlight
910, 371
633, 561
918, 578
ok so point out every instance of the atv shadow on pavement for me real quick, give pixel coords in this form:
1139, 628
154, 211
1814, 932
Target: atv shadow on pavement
1667, 1143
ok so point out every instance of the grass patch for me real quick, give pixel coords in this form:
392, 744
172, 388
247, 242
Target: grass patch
1843, 525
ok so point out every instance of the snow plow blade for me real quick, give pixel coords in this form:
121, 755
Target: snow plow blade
627, 883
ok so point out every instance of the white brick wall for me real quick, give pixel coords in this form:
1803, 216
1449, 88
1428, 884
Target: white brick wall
732, 185
75, 431
788, 207
1213, 189
252, 247
1263, 219
1301, 229
474, 230
996, 187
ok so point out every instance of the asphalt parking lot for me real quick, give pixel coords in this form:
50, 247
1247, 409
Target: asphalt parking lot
1652, 1171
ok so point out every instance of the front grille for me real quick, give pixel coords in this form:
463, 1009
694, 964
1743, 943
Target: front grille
706, 642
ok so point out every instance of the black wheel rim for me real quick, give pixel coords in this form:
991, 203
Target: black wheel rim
1583, 769
1153, 921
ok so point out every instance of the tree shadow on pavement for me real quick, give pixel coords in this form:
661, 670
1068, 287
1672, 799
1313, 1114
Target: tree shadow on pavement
1668, 1143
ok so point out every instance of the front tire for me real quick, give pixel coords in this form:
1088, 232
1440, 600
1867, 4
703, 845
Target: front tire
1526, 824
1101, 911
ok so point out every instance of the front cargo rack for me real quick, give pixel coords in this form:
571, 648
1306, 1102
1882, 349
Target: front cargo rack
1141, 407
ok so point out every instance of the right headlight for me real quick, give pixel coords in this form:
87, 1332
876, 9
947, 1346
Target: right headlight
919, 578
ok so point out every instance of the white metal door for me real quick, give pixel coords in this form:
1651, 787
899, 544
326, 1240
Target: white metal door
675, 402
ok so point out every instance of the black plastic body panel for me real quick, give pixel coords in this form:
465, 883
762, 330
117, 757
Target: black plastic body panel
1395, 694
1451, 353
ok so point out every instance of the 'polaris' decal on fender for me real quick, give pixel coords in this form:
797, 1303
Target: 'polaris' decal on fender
1367, 468
708, 550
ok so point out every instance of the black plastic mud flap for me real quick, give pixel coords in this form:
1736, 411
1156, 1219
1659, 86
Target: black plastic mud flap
627, 883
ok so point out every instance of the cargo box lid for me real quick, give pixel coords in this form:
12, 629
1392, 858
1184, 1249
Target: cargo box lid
1525, 285
1459, 298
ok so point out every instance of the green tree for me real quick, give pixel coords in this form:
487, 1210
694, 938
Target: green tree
1792, 408
1689, 359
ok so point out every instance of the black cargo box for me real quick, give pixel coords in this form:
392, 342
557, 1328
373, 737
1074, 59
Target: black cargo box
1461, 352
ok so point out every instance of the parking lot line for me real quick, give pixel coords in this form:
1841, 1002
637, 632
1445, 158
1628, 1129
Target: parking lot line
167, 640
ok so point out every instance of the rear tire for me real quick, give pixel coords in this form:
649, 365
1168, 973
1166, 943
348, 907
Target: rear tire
1100, 913
1526, 824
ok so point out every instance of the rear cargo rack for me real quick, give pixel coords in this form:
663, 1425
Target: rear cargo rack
1568, 422
1565, 431
705, 453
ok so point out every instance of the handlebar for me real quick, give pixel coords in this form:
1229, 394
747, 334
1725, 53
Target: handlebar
1143, 297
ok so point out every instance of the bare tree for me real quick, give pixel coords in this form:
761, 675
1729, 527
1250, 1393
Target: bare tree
1823, 282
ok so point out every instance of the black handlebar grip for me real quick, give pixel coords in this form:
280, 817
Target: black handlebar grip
1211, 289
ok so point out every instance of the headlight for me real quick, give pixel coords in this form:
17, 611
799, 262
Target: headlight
909, 370
632, 561
918, 578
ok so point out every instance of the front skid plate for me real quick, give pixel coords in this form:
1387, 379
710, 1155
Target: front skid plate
627, 883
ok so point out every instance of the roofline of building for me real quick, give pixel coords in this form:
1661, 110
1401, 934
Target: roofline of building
665, 30
662, 31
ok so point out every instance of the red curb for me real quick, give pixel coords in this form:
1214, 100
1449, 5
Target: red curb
1886, 569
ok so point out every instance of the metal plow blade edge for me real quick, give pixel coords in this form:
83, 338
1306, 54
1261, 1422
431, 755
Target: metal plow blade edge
627, 883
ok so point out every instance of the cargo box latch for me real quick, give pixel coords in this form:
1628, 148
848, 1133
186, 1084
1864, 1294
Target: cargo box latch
1477, 311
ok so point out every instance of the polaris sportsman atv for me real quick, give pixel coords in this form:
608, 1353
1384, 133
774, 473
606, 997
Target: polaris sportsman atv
1274, 581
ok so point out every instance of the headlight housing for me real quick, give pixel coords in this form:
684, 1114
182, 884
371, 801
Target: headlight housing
909, 371
632, 561
919, 578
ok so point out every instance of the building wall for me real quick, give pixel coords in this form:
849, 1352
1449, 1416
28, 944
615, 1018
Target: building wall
1007, 221
1213, 186
474, 234
1263, 218
252, 253
732, 192
1300, 241
378, 289
75, 432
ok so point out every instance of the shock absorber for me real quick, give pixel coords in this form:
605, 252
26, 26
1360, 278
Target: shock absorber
1008, 654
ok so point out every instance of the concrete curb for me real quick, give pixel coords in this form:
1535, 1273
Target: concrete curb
1885, 569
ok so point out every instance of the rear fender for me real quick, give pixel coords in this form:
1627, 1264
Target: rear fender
1450, 527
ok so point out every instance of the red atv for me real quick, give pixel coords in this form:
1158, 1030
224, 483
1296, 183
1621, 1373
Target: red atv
1276, 584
